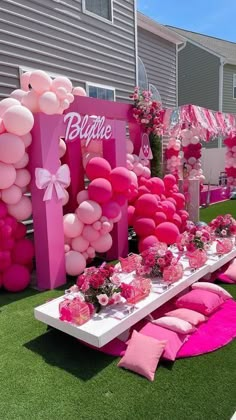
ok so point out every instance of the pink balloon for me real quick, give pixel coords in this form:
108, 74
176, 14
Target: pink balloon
144, 227
61, 92
80, 244
82, 196
117, 218
146, 172
75, 263
5, 260
91, 252
146, 205
66, 198
160, 217
2, 127
120, 179
12, 148
176, 219
98, 168
129, 146
167, 232
103, 243
180, 200
16, 278
66, 248
138, 168
72, 225
27, 139
89, 212
11, 195
169, 181
22, 210
31, 101
70, 97
20, 231
111, 209
3, 210
6, 104
64, 104
12, 222
97, 225
18, 120
23, 252
120, 199
106, 227
24, 80
157, 186
131, 210
100, 190
40, 81
62, 81
87, 157
147, 242
90, 233
62, 148
7, 175
79, 91
95, 146
49, 103
22, 178
18, 94
168, 208
23, 162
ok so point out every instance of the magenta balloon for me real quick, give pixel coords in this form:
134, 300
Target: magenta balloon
157, 186
167, 232
103, 243
16, 278
6, 104
119, 199
169, 208
12, 148
90, 234
131, 210
80, 244
120, 179
18, 120
40, 81
146, 243
11, 195
75, 263
176, 219
144, 227
89, 212
5, 260
180, 200
72, 225
23, 178
7, 175
7, 244
110, 210
98, 167
169, 181
3, 209
146, 205
12, 222
21, 210
100, 190
160, 217
23, 252
20, 231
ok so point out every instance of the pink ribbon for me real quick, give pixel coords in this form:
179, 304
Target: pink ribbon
60, 180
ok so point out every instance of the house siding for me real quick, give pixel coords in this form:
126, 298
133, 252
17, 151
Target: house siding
159, 58
56, 36
198, 77
229, 104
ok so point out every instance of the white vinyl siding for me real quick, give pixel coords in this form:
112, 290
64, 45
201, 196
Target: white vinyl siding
234, 86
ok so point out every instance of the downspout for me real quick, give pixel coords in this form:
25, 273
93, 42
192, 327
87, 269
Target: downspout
136, 41
179, 47
221, 80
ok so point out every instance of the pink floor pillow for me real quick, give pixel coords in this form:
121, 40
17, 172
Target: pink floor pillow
193, 317
214, 288
175, 324
200, 300
229, 276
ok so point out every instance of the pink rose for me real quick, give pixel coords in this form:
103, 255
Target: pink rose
103, 299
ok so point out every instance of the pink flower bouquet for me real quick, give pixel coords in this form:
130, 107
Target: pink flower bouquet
223, 225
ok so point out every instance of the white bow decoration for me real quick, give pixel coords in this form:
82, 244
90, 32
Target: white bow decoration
60, 180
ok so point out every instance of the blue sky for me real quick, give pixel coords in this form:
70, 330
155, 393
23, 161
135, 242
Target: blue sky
209, 17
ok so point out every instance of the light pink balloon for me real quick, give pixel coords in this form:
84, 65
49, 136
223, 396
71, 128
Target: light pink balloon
91, 252
61, 81
22, 178
95, 146
2, 126
49, 103
64, 104
66, 248
138, 169
7, 175
22, 210
89, 212
12, 195
40, 81
80, 244
117, 218
24, 80
72, 225
31, 101
6, 104
85, 255
79, 91
82, 196
70, 97
90, 233
87, 157
129, 146
97, 225
62, 148
18, 120
18, 94
107, 227
61, 92
27, 139
75, 263
23, 162
65, 198
12, 148
103, 243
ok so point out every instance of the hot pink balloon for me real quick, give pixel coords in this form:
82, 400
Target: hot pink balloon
146, 205
169, 181
89, 212
120, 199
75, 263
98, 168
22, 210
82, 196
120, 179
103, 243
16, 278
20, 231
12, 148
131, 210
80, 244
160, 217
5, 260
7, 175
49, 103
72, 225
157, 186
90, 234
40, 81
23, 252
100, 190
6, 104
23, 178
167, 232
24, 80
111, 210
18, 120
144, 226
12, 195
87, 157
79, 91
147, 242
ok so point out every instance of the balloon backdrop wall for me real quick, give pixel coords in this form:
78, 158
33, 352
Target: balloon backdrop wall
230, 160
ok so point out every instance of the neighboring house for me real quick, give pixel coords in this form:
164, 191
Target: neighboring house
91, 42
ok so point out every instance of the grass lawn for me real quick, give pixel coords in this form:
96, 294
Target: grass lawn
48, 375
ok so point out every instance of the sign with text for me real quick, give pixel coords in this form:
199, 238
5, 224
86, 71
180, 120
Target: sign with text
86, 127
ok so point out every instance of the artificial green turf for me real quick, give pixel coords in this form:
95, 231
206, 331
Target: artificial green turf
48, 375
211, 212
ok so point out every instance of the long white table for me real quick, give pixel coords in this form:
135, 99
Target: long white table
103, 328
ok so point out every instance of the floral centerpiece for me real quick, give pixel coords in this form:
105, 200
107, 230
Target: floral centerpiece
148, 114
223, 226
196, 241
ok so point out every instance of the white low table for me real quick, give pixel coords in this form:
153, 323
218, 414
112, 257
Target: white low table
101, 329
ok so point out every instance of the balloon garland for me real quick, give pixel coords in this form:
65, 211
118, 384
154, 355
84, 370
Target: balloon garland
230, 160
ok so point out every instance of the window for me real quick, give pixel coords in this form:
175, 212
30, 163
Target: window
100, 91
234, 86
102, 9
142, 75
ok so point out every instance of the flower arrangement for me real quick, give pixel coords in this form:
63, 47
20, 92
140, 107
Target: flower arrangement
194, 238
223, 225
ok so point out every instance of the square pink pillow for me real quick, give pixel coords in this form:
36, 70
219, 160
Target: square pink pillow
173, 339
200, 300
142, 355
193, 317
175, 324
231, 271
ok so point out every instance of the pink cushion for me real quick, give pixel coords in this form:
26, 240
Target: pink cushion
175, 324
214, 288
200, 300
225, 279
142, 355
195, 318
174, 340
231, 271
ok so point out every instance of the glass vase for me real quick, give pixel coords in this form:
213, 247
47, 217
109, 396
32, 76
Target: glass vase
197, 258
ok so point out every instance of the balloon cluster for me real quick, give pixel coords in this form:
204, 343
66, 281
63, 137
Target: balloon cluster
192, 153
157, 212
40, 93
230, 160
173, 158
16, 253
87, 231
135, 163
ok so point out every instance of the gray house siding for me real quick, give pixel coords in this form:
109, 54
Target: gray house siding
56, 36
229, 104
159, 58
198, 77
